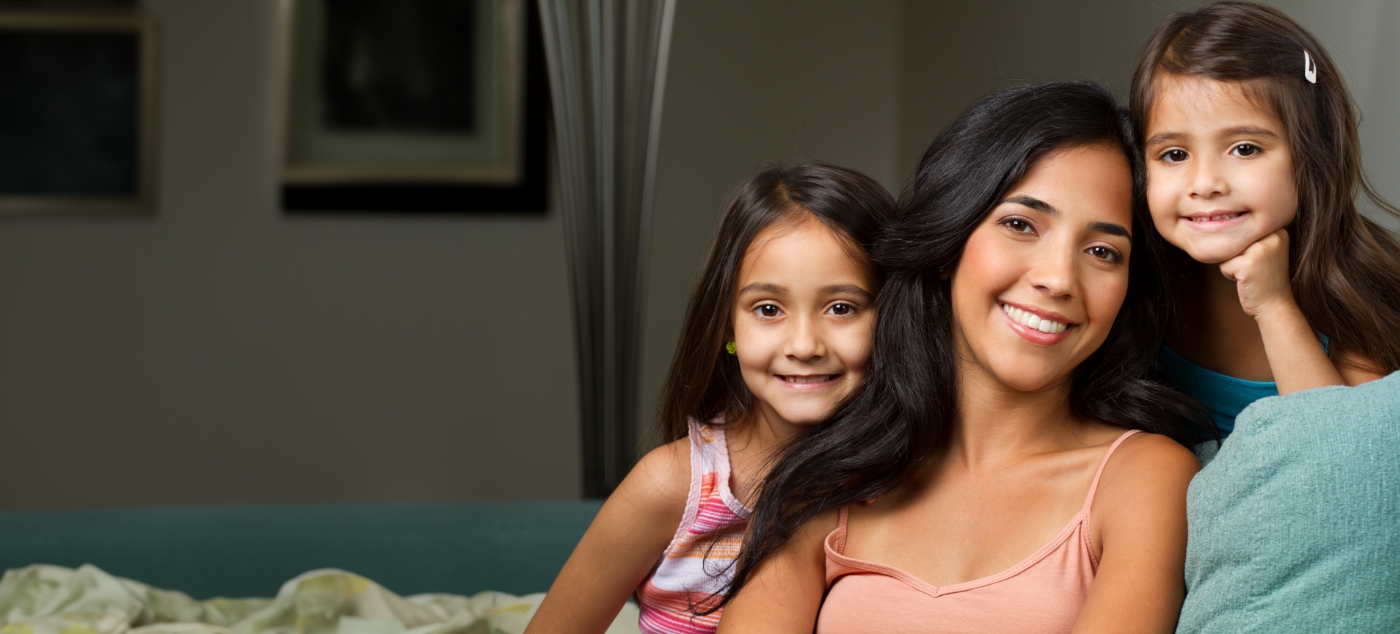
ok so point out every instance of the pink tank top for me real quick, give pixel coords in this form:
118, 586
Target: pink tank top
1042, 594
699, 562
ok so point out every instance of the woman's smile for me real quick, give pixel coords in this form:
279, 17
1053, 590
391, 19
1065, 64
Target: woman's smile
1041, 280
1036, 326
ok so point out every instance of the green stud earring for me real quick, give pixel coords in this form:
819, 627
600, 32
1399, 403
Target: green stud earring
729, 347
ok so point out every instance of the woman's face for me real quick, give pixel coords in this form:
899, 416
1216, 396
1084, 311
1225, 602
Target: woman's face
1041, 280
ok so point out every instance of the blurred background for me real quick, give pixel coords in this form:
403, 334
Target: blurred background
220, 350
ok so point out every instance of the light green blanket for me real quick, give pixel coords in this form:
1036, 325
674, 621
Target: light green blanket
45, 599
1295, 524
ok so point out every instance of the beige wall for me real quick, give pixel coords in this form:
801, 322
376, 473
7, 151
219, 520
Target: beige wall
224, 352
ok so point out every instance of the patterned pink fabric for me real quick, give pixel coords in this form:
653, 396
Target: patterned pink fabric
699, 563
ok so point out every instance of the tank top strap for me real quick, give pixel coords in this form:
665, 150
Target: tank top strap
709, 453
1094, 487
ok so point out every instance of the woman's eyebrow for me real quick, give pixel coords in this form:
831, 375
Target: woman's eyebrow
1110, 228
1034, 203
1045, 208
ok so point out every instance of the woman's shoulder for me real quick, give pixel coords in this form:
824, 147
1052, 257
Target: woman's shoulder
1146, 470
1146, 455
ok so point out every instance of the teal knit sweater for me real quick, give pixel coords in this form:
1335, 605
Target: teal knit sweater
1295, 523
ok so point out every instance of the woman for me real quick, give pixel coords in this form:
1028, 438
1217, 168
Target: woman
992, 468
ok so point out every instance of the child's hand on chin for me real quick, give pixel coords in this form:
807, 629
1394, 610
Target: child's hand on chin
1260, 274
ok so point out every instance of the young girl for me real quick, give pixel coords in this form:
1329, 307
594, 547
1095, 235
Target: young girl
1254, 165
992, 475
775, 337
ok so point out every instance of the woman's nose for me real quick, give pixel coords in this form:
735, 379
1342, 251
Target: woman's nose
1054, 273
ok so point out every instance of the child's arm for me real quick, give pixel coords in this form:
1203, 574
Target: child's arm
622, 545
1261, 277
1139, 516
785, 592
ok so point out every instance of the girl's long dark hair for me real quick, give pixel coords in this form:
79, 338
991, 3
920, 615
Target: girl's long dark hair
1346, 268
704, 382
902, 418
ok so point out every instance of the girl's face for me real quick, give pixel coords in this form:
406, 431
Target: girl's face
1040, 281
1219, 174
802, 321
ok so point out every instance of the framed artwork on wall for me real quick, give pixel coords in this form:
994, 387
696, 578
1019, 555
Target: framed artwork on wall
411, 105
77, 112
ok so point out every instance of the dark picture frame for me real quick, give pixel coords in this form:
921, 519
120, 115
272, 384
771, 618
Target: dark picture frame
77, 112
413, 186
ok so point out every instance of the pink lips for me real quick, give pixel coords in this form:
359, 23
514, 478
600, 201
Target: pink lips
1218, 220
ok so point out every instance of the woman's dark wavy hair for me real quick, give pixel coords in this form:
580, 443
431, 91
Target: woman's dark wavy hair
1346, 268
704, 383
902, 418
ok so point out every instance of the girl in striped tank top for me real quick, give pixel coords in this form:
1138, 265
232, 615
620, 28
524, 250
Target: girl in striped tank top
776, 336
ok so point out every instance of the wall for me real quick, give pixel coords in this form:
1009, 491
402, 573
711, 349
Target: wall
222, 352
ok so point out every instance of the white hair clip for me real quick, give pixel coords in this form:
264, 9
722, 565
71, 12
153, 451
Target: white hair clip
1309, 68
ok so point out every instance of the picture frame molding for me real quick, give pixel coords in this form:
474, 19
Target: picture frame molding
99, 21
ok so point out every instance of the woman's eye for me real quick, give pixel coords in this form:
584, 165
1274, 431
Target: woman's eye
842, 309
768, 310
1106, 254
1245, 150
1017, 225
1173, 156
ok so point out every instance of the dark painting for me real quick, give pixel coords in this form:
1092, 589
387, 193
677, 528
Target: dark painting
68, 113
400, 65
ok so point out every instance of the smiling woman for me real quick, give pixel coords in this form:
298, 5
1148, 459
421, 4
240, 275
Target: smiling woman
991, 474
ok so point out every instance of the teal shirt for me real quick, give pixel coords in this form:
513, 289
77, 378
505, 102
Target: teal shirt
1223, 396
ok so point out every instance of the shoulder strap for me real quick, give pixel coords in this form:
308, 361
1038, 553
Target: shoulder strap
1094, 487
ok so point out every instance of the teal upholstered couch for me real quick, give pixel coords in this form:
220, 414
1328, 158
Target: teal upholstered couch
460, 548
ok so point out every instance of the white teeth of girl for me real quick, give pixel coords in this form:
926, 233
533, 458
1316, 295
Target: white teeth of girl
1034, 322
1220, 217
820, 378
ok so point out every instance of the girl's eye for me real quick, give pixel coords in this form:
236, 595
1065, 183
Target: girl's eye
1245, 150
1018, 225
1173, 156
1106, 254
842, 309
768, 310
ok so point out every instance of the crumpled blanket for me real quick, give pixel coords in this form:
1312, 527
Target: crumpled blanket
1294, 526
43, 599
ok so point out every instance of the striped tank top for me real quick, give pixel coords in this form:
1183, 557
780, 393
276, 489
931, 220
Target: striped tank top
699, 563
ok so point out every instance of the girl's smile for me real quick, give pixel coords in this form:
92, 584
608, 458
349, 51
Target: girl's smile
1219, 172
802, 321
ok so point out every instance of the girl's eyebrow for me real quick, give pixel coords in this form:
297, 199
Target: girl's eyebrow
1249, 130
763, 287
1163, 137
846, 289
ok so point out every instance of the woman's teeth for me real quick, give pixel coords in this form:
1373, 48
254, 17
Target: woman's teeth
1034, 322
817, 378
